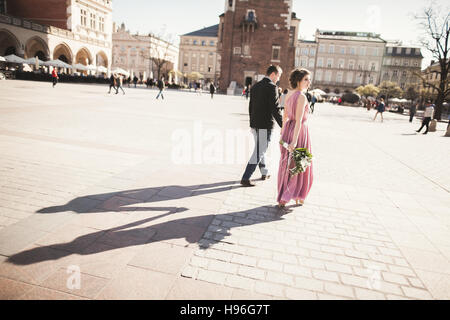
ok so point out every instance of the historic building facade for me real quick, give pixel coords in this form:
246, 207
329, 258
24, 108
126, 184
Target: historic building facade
74, 31
401, 64
347, 60
143, 55
305, 55
198, 53
252, 35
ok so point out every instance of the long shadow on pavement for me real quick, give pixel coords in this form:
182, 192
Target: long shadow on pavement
192, 229
120, 201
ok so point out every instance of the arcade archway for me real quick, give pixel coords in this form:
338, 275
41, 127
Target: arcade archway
36, 46
84, 57
63, 53
8, 43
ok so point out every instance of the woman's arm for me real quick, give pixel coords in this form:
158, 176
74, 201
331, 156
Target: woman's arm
299, 110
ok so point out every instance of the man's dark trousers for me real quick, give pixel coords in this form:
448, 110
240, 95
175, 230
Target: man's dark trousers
425, 122
262, 140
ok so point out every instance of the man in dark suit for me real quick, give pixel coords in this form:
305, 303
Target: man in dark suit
263, 109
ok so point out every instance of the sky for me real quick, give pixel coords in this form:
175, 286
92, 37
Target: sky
393, 19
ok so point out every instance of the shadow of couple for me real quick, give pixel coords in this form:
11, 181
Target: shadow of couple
191, 228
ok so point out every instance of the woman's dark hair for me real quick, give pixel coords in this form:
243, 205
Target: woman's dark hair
296, 76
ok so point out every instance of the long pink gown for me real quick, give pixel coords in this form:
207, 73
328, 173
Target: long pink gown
296, 187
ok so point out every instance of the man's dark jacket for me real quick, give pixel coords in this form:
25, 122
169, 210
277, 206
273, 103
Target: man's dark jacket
263, 107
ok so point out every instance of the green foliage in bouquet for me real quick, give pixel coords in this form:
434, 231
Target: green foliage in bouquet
302, 159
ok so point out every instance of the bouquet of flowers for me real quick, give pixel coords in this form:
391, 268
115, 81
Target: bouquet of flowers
301, 157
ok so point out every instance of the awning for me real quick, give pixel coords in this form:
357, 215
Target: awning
57, 63
12, 58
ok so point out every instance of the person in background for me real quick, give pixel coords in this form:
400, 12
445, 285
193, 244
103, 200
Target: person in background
161, 86
55, 76
112, 82
313, 102
119, 84
428, 115
212, 90
283, 99
135, 81
381, 107
412, 112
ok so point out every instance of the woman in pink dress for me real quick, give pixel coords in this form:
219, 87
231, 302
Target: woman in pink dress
295, 132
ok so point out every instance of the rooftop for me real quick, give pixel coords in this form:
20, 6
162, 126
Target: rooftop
211, 31
349, 35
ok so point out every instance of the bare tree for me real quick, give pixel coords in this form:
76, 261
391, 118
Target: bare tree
434, 22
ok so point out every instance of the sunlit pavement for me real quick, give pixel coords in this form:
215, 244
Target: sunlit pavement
106, 196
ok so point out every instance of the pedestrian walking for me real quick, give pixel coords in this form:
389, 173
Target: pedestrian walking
313, 102
412, 112
112, 83
55, 76
212, 90
380, 109
119, 84
283, 99
295, 132
247, 92
135, 81
263, 109
161, 86
428, 115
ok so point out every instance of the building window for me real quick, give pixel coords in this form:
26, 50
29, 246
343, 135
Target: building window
328, 76
330, 63
349, 77
203, 43
297, 62
322, 48
362, 51
320, 62
406, 63
395, 74
351, 64
341, 64
251, 16
373, 66
319, 75
211, 43
276, 53
304, 62
83, 18
342, 50
195, 42
305, 51
93, 21
352, 50
101, 25
185, 64
312, 52
331, 48
247, 50
311, 63
2, 6
389, 50
237, 50
339, 77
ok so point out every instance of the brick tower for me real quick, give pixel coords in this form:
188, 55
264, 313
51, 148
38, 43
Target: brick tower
254, 34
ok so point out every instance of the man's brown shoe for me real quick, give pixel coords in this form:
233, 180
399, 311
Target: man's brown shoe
247, 183
264, 177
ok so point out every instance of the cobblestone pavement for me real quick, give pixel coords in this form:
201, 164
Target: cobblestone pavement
90, 187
